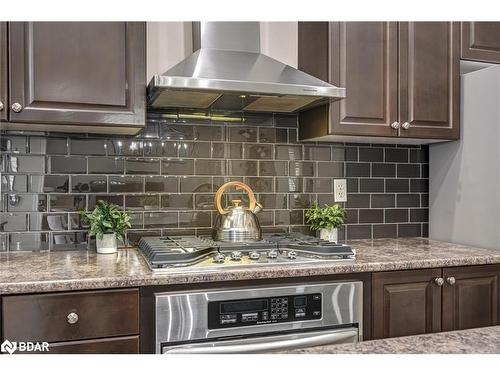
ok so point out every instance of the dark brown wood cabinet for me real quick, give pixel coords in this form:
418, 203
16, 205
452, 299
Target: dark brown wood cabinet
90, 74
406, 303
75, 321
480, 41
3, 72
471, 297
432, 300
402, 81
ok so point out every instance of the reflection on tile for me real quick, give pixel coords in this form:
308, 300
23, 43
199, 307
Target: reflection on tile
66, 164
161, 148
289, 185
89, 184
48, 222
25, 163
14, 183
161, 184
194, 219
301, 200
273, 201
208, 133
177, 201
48, 146
273, 168
258, 151
142, 202
76, 222
196, 184
317, 153
241, 134
25, 202
302, 168
174, 132
318, 185
136, 220
260, 184
268, 135
194, 149
28, 241
210, 167
177, 167
49, 184
13, 144
204, 201
69, 241
242, 168
106, 165
227, 150
13, 222
88, 147
113, 199
142, 166
289, 152
160, 220
67, 202
125, 147
126, 184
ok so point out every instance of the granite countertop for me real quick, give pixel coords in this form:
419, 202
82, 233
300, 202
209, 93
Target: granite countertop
27, 272
471, 341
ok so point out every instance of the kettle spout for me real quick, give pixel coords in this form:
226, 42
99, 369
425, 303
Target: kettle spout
258, 208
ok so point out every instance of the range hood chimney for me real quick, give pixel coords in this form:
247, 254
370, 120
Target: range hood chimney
228, 72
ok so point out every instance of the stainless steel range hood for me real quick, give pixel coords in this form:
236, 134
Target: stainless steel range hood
228, 72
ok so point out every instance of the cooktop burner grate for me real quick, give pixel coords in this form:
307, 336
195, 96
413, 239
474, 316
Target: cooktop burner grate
183, 251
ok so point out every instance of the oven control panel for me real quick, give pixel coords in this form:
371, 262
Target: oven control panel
237, 313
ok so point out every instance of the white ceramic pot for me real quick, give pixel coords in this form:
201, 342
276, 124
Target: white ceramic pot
107, 244
329, 234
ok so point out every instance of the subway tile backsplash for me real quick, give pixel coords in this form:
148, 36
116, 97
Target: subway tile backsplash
168, 174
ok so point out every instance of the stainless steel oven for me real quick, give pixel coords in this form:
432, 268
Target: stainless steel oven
259, 320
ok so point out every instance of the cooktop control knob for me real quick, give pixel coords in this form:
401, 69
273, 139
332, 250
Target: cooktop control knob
219, 258
236, 255
292, 254
273, 254
254, 255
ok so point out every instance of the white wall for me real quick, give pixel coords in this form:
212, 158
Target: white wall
168, 43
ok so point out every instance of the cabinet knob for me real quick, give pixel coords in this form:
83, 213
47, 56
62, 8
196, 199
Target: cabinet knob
395, 125
439, 281
450, 280
16, 107
72, 318
1, 105
406, 125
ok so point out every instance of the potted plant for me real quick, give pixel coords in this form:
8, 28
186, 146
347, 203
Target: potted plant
108, 224
326, 220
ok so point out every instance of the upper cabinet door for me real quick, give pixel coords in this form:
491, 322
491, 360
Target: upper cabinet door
78, 73
429, 81
471, 297
3, 71
481, 41
364, 60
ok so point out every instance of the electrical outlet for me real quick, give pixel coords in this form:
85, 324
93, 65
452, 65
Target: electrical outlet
340, 190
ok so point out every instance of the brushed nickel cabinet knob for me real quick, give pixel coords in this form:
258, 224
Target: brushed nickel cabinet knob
450, 280
16, 107
72, 318
439, 281
406, 125
395, 125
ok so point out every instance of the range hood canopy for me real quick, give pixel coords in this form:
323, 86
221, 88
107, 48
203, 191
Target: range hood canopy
228, 72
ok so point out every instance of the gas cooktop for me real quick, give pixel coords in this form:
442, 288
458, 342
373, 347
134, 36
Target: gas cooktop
202, 253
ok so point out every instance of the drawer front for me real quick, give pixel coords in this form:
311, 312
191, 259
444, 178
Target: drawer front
71, 316
117, 345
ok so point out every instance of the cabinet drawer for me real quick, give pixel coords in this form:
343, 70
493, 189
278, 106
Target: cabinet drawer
44, 317
116, 345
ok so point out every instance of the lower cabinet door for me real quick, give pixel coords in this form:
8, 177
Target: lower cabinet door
406, 303
470, 297
116, 345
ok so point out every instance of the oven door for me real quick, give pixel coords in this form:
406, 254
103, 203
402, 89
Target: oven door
267, 344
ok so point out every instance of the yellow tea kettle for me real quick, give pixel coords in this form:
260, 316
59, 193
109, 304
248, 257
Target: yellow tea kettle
237, 223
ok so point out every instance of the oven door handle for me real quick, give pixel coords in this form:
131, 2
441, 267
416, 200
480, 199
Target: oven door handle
267, 344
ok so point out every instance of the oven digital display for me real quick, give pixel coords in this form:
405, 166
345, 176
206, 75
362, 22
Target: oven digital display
243, 306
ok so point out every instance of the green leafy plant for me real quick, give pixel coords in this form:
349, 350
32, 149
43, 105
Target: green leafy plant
106, 219
326, 217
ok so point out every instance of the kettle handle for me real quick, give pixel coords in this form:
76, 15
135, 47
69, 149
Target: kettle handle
238, 185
